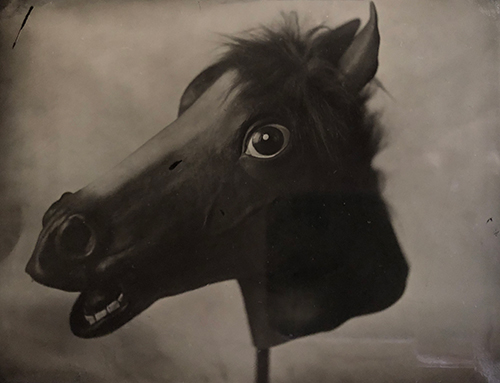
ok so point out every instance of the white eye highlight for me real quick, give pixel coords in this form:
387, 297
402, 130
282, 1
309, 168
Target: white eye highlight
267, 141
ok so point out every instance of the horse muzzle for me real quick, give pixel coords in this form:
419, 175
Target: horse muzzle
67, 244
70, 248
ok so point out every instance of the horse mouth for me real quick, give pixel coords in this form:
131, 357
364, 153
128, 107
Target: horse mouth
99, 311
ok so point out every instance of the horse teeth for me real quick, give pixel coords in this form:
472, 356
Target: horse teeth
113, 306
90, 319
101, 314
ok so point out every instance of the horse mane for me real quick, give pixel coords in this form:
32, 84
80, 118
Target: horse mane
281, 71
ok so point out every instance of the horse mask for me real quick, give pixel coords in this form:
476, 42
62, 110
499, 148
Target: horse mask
265, 177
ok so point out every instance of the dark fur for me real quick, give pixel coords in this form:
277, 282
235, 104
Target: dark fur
284, 72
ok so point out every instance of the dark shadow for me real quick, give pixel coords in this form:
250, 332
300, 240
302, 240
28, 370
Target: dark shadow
10, 204
10, 225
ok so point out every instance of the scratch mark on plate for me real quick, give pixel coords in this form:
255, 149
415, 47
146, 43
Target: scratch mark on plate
22, 25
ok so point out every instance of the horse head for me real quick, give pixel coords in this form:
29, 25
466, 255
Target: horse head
265, 177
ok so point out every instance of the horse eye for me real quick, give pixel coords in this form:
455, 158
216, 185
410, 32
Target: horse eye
267, 141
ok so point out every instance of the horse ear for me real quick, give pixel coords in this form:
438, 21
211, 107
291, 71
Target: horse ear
330, 259
199, 85
360, 61
331, 45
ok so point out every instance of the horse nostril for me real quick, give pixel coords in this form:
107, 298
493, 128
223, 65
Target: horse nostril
75, 238
53, 208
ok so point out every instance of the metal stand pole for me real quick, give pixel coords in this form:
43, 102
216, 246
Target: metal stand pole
262, 373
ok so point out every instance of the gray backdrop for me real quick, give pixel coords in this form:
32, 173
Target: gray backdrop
87, 84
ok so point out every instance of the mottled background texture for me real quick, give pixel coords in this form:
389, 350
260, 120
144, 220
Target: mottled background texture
88, 83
